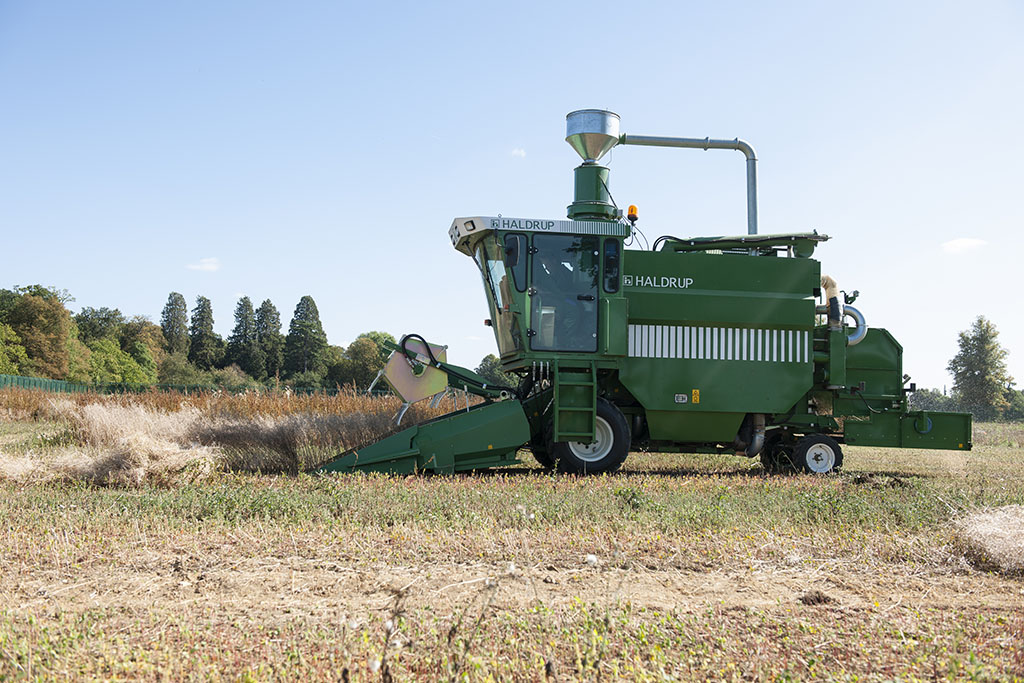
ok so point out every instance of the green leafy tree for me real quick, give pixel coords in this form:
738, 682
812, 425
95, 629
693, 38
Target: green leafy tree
12, 353
63, 296
99, 323
38, 316
176, 370
1015, 405
140, 330
270, 339
307, 380
243, 347
206, 348
8, 299
358, 366
306, 343
490, 370
109, 364
174, 324
78, 357
379, 338
334, 358
143, 357
979, 371
233, 378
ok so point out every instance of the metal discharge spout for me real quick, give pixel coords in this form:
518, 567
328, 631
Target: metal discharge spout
708, 143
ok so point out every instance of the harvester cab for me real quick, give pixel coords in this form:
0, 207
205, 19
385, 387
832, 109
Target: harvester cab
722, 344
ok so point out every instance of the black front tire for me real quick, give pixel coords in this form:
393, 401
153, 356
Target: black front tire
605, 454
541, 454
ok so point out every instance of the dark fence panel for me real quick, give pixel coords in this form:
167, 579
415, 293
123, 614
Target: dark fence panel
61, 387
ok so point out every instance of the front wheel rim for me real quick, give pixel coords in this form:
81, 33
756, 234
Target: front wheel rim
599, 448
820, 458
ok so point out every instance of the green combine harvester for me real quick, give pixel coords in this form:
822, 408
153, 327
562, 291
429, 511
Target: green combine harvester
733, 345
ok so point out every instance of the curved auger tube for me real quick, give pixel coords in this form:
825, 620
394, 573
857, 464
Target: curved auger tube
862, 326
706, 144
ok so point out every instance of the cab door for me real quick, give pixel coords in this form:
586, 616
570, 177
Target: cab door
564, 293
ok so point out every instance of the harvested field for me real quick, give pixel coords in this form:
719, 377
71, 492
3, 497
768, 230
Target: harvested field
680, 566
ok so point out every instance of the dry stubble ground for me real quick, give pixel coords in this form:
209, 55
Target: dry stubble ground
679, 567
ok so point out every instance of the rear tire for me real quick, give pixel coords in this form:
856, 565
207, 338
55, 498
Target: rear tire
777, 454
608, 450
818, 454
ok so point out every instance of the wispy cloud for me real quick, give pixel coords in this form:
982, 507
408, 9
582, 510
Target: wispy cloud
962, 244
519, 152
208, 265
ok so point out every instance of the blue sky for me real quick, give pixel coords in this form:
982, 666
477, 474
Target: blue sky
282, 149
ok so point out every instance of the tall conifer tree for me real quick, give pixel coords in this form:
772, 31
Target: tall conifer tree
243, 347
206, 348
271, 341
306, 343
174, 323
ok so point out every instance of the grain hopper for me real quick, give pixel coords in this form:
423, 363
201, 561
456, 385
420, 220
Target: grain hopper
715, 344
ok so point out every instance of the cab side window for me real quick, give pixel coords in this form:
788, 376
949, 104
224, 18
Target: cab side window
611, 265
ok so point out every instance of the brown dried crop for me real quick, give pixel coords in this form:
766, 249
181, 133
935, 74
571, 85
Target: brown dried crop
116, 445
165, 438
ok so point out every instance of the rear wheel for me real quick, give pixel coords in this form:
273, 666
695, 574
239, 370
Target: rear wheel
818, 454
777, 454
605, 454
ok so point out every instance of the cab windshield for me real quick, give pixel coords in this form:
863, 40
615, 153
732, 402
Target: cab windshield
492, 267
490, 259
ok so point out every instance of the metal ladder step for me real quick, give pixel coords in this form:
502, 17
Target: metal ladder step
575, 402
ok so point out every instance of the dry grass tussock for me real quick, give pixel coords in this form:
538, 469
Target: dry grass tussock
113, 441
995, 538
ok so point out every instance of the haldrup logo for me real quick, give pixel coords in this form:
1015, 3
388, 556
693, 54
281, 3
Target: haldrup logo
521, 224
656, 281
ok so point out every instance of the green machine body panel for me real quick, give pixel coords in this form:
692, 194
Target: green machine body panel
712, 337
873, 409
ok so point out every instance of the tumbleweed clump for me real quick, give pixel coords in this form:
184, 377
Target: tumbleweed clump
994, 539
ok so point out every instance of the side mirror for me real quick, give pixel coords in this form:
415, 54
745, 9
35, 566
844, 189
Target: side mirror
513, 247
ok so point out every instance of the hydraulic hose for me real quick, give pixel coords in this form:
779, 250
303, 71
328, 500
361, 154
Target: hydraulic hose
756, 443
447, 368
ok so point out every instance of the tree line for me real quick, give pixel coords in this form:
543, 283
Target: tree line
40, 337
